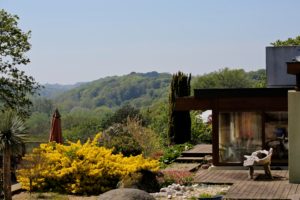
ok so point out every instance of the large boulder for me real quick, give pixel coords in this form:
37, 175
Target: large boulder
143, 180
126, 194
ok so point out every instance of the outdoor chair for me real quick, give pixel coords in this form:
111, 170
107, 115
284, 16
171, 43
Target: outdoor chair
259, 158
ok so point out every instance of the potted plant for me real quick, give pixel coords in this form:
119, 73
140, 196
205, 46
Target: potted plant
206, 196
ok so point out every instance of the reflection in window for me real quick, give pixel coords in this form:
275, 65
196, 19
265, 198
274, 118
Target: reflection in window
276, 135
239, 134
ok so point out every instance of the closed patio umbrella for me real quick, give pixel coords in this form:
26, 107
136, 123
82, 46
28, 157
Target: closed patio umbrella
55, 132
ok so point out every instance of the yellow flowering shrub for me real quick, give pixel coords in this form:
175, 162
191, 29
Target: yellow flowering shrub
78, 168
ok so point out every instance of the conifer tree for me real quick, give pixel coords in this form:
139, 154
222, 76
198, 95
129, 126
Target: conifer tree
179, 121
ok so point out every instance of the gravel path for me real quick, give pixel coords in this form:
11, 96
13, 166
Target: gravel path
179, 192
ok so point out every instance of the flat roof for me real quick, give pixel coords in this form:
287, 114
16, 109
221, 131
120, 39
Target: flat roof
241, 92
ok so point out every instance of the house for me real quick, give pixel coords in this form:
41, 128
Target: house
248, 119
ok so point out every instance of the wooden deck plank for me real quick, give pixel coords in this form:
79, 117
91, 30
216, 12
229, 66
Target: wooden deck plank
293, 189
275, 185
244, 188
199, 177
260, 191
201, 148
214, 178
298, 189
279, 190
270, 188
286, 189
241, 192
255, 188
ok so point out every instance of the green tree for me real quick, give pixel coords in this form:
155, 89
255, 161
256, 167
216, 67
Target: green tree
259, 78
121, 115
80, 124
38, 125
201, 132
157, 115
179, 121
12, 136
289, 42
15, 84
224, 78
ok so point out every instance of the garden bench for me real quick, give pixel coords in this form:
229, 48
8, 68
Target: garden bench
259, 158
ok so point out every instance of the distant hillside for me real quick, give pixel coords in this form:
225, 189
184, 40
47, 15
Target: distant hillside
138, 89
52, 90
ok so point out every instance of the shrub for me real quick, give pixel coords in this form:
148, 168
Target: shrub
201, 132
119, 138
144, 180
174, 151
179, 177
145, 137
78, 168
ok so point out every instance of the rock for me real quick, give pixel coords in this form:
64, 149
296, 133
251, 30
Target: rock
208, 158
143, 180
179, 194
205, 166
169, 196
126, 193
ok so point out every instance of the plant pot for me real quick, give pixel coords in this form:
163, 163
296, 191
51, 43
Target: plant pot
217, 197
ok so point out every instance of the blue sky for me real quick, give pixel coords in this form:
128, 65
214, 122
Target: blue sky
74, 41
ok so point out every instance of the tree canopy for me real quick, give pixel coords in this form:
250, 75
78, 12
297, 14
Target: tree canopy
288, 42
230, 78
15, 84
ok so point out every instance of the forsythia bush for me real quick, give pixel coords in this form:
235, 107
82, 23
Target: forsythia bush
78, 168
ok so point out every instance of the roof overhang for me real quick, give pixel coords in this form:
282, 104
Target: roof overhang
235, 99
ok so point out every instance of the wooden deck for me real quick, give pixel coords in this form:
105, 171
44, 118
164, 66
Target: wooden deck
200, 149
244, 188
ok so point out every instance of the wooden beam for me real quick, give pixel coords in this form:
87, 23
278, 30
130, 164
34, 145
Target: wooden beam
191, 103
232, 103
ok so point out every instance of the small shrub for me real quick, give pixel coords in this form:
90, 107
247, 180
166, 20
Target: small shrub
205, 195
174, 151
147, 139
201, 132
178, 177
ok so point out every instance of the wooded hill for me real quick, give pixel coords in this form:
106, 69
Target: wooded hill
138, 89
141, 89
87, 108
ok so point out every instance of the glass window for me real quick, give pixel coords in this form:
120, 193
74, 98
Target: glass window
276, 135
240, 133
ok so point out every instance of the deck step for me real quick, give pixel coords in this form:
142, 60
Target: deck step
194, 154
191, 167
189, 159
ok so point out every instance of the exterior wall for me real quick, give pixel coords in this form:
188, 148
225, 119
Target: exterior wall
294, 136
276, 59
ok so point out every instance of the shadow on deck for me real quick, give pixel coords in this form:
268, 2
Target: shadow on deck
244, 188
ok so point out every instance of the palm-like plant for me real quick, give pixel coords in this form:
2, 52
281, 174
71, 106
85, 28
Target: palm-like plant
12, 137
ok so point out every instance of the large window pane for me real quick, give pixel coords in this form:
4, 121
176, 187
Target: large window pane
276, 135
239, 135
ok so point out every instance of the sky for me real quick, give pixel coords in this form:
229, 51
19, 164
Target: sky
78, 41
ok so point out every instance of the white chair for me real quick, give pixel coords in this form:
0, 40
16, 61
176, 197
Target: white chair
260, 157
